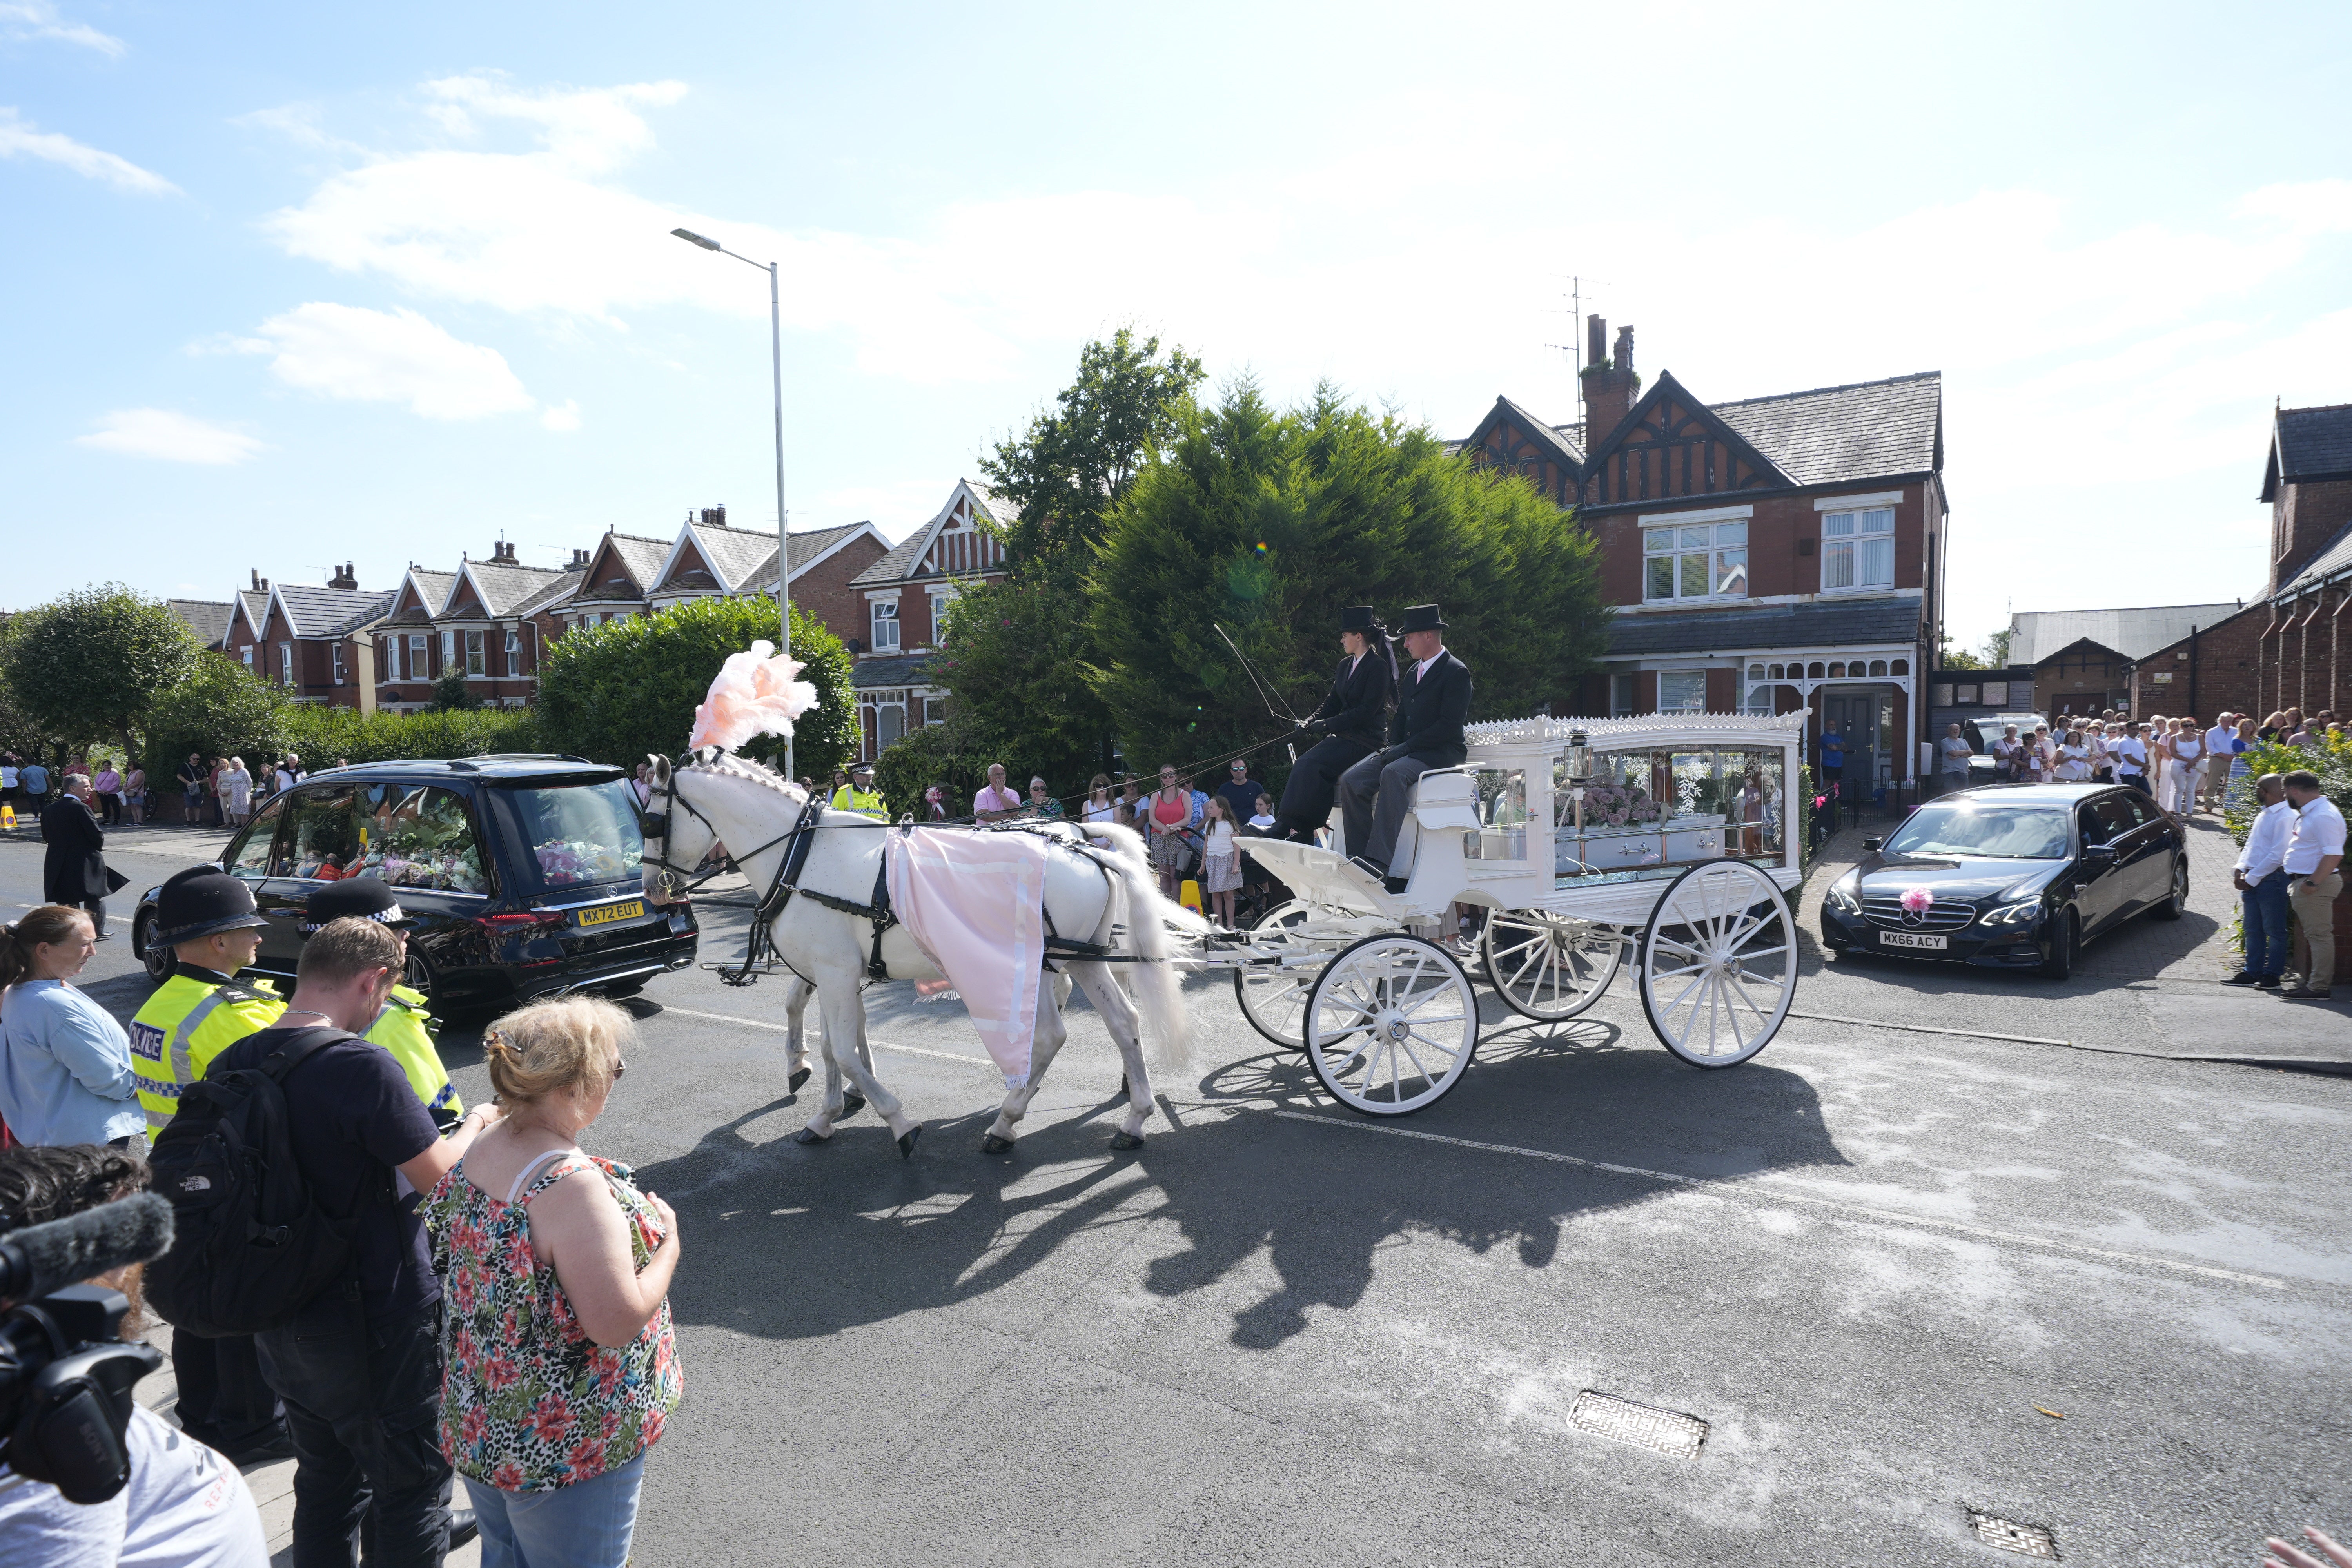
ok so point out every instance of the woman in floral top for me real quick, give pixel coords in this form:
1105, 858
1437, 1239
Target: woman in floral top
561, 1366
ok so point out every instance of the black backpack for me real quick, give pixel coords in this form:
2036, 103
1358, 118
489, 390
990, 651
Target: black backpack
251, 1247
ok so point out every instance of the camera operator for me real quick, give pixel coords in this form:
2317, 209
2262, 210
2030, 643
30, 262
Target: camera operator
185, 1507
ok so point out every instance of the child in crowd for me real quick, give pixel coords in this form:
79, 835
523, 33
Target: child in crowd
1221, 860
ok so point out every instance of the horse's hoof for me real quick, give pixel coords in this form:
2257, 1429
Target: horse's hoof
1126, 1140
907, 1142
989, 1143
793, 1084
808, 1135
851, 1104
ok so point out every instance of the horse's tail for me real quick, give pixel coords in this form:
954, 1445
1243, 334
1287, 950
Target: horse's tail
1167, 1026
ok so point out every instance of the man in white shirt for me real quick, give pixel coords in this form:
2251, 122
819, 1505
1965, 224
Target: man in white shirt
2131, 759
2313, 854
1953, 751
2220, 741
2261, 878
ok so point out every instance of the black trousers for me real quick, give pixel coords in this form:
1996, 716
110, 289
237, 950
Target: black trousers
1314, 784
1372, 799
224, 1399
363, 1407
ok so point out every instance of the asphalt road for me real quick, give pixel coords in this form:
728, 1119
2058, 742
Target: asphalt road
1280, 1332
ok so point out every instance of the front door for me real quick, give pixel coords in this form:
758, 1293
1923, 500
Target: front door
1857, 715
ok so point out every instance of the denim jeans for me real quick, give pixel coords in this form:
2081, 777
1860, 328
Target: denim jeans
363, 1407
2265, 908
585, 1525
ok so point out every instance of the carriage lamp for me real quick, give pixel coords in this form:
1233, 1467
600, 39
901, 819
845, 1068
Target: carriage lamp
1579, 758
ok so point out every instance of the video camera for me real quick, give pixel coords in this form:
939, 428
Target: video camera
66, 1372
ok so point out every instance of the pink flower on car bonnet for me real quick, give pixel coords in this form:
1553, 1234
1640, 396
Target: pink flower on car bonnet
1916, 899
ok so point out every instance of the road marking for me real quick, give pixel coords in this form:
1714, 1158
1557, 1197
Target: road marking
1932, 1029
1763, 1189
956, 1056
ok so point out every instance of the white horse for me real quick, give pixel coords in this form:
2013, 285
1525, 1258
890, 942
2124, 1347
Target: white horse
1091, 896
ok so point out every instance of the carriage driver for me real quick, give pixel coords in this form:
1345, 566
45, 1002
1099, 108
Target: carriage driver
1349, 721
1432, 704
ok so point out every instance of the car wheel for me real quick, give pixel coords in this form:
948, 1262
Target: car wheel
156, 958
2064, 939
419, 977
2177, 899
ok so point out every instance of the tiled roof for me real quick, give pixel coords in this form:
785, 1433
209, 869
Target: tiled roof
365, 616
2037, 635
901, 561
434, 588
207, 618
995, 505
560, 588
643, 557
869, 673
503, 584
317, 611
256, 602
1832, 435
1764, 627
734, 553
1571, 451
2314, 443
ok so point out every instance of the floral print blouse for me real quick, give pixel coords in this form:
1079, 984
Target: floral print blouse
528, 1402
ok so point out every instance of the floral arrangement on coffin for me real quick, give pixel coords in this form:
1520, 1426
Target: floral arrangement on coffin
565, 861
442, 870
1617, 805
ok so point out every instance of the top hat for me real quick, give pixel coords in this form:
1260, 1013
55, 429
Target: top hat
366, 897
201, 902
1423, 618
1358, 618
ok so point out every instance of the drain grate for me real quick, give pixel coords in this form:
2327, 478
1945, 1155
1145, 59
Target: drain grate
2008, 1535
1668, 1432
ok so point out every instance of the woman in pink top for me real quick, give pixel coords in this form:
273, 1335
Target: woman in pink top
1168, 817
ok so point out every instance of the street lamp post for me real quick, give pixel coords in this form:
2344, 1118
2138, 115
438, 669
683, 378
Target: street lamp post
784, 530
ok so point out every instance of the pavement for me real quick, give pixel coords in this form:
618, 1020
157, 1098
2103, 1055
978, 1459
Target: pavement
2058, 1269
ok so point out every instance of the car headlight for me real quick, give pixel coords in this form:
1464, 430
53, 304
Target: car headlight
1841, 896
2015, 915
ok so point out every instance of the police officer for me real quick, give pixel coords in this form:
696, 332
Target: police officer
860, 795
1349, 721
403, 1027
208, 921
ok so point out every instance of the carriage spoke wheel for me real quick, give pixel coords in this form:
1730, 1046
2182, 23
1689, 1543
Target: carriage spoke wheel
1274, 1000
1548, 967
1719, 963
1392, 1023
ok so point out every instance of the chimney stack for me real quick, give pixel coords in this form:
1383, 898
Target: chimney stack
579, 557
1609, 386
344, 578
258, 583
714, 516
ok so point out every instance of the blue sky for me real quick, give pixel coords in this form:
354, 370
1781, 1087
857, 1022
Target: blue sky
282, 286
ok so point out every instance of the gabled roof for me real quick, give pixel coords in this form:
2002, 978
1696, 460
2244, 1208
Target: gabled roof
502, 585
422, 596
1566, 449
363, 618
902, 564
566, 584
1835, 434
640, 557
317, 611
207, 619
2036, 636
2308, 445
1670, 390
252, 608
1766, 626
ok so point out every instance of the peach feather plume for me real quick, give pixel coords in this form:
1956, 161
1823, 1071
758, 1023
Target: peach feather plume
752, 694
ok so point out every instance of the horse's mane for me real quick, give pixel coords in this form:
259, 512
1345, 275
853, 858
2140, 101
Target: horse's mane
717, 761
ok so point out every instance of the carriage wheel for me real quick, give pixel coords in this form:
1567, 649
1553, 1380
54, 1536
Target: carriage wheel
1719, 963
1392, 1023
1548, 967
1274, 1000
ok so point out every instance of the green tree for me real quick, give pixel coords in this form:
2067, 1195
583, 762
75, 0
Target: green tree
617, 691
451, 694
1268, 524
943, 754
1014, 655
1963, 660
90, 665
1996, 648
221, 710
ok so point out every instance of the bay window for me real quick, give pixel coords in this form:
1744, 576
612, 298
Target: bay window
1681, 691
1858, 549
474, 662
1700, 561
514, 650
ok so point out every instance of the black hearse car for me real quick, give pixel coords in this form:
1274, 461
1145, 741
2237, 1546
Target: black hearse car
520, 871
2010, 877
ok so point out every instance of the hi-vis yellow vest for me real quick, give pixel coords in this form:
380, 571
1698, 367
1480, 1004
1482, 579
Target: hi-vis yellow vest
864, 802
405, 1029
184, 1024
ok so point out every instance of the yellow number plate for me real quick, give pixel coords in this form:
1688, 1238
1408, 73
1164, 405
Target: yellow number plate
611, 913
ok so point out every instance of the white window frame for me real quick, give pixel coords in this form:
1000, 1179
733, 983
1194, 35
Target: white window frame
514, 650
883, 613
1674, 541
247, 651
1620, 696
416, 656
477, 658
1845, 536
285, 664
339, 664
1665, 675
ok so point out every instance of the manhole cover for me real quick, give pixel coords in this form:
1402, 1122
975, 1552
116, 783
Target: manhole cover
1643, 1426
2008, 1535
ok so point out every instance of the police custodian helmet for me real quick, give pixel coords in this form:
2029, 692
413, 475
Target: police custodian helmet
201, 902
366, 897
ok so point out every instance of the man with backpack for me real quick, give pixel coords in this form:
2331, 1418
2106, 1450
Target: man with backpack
208, 921
352, 1342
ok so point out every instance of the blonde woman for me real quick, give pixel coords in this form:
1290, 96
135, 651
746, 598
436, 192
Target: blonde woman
238, 783
562, 1364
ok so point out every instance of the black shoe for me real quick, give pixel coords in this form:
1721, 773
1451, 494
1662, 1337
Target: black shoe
1394, 884
265, 1450
2243, 977
2305, 994
1368, 867
463, 1527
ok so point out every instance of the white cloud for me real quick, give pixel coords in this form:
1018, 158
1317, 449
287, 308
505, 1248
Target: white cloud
39, 19
349, 351
563, 416
18, 138
173, 438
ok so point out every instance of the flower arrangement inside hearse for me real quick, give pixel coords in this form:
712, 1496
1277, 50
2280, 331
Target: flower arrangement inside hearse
565, 862
1626, 828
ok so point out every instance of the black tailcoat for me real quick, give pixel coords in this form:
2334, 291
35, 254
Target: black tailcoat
1430, 711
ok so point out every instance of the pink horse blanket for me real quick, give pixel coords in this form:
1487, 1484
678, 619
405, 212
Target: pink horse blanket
975, 903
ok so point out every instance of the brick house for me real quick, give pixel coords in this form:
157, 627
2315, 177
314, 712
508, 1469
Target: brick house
904, 597
710, 558
488, 625
1760, 555
406, 657
318, 643
2303, 651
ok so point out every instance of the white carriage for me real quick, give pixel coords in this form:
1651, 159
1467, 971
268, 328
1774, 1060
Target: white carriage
1666, 845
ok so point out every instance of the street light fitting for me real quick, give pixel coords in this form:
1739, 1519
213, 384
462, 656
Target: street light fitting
688, 234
